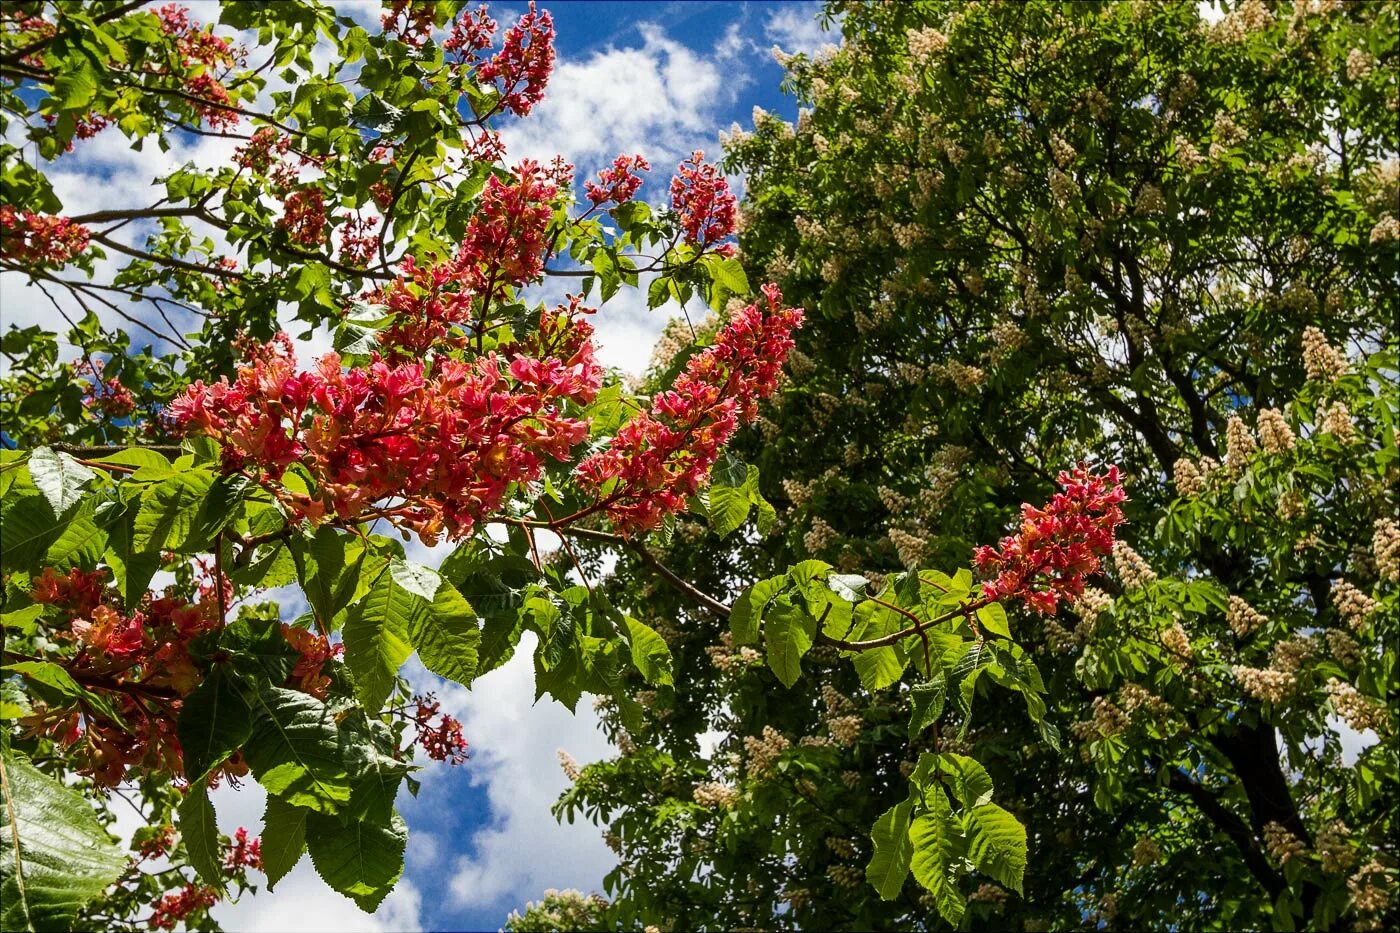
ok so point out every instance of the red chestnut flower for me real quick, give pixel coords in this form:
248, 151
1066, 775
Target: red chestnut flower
662, 456
1058, 545
700, 195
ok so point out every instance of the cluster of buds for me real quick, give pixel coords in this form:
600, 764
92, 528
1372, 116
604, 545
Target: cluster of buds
1058, 545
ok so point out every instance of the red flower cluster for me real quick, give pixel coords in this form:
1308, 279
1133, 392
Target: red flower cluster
107, 396
443, 741
41, 239
1058, 545
446, 439
663, 455
700, 195
471, 33
618, 183
357, 241
315, 651
244, 853
267, 146
304, 217
161, 840
523, 65
141, 661
409, 21
172, 909
505, 241
200, 51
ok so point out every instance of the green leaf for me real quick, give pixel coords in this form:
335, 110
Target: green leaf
879, 667
970, 782
169, 510
56, 856
447, 637
136, 457
82, 540
45, 676
788, 632
730, 274
748, 609
926, 702
377, 635
650, 654
74, 88
132, 567
362, 860
993, 619
201, 834
938, 855
59, 477
997, 844
283, 838
889, 866
295, 750
322, 564
214, 722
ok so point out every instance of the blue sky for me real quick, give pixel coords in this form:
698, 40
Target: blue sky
660, 79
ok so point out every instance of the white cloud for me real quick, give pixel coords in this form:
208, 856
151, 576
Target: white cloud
661, 100
798, 28
514, 745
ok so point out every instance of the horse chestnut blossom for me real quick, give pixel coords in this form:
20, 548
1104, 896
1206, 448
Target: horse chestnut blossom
41, 239
447, 439
1058, 545
701, 197
662, 456
505, 241
442, 741
619, 183
522, 68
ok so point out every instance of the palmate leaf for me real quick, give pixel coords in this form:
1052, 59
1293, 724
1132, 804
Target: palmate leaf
56, 857
170, 509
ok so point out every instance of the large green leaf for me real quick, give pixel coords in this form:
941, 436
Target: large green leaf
169, 510
879, 667
327, 567
214, 721
283, 838
200, 832
889, 866
82, 540
56, 856
377, 635
132, 566
971, 784
748, 609
447, 637
788, 632
296, 751
938, 854
650, 654
997, 844
362, 860
59, 477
